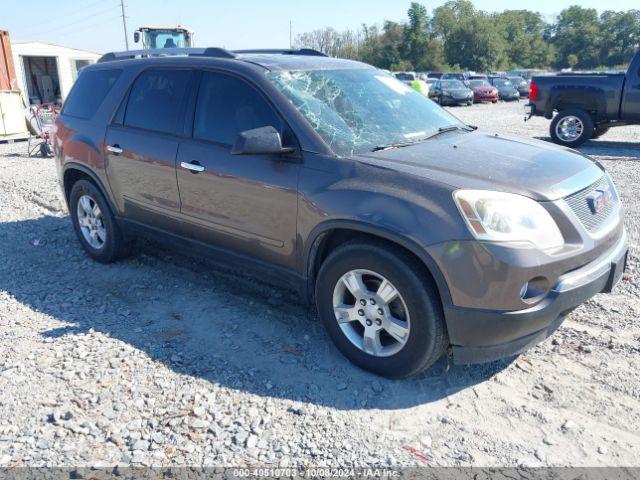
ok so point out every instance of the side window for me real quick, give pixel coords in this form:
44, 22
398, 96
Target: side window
89, 91
155, 100
227, 106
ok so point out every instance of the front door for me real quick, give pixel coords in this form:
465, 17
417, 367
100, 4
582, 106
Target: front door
631, 98
244, 203
141, 148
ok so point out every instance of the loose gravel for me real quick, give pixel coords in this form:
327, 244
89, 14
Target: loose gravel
162, 359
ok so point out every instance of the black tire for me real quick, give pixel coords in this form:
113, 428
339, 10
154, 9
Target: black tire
115, 245
600, 130
427, 339
440, 100
587, 130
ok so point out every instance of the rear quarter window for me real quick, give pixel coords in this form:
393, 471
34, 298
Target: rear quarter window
89, 92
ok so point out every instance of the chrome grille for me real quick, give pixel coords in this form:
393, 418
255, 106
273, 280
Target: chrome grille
579, 204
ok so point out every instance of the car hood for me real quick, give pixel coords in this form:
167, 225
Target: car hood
484, 161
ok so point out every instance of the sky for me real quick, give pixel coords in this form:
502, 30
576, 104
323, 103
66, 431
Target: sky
96, 25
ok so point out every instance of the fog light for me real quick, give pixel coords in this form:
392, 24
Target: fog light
534, 290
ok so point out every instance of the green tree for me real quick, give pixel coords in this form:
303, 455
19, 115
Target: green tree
470, 37
572, 60
620, 37
523, 35
577, 31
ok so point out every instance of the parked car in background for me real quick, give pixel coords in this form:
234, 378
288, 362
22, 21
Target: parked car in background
483, 91
414, 81
506, 90
451, 92
477, 76
454, 76
527, 73
434, 74
587, 105
521, 84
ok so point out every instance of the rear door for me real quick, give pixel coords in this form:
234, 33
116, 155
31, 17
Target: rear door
244, 203
141, 147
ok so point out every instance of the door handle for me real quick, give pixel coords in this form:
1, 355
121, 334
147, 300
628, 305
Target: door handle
193, 166
115, 149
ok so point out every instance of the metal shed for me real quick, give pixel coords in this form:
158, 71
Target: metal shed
46, 71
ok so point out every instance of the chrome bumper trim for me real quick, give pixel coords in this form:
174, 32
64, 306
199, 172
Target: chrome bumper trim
593, 270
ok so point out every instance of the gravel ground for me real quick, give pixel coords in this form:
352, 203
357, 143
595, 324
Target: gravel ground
164, 360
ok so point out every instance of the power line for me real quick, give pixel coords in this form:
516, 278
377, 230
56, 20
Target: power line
64, 26
62, 18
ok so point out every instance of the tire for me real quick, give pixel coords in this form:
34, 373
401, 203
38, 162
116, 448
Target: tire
107, 247
440, 100
600, 130
426, 338
583, 131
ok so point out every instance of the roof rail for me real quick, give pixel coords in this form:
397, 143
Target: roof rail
213, 52
286, 51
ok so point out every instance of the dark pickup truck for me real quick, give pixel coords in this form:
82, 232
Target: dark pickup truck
587, 104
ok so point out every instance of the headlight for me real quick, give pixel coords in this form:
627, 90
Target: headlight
506, 217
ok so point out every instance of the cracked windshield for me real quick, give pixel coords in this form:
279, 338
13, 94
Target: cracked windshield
357, 110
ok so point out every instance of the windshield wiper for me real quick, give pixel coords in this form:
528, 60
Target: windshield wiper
448, 128
390, 146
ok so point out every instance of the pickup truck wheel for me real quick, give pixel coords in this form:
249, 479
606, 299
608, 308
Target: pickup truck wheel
600, 130
380, 310
571, 128
94, 224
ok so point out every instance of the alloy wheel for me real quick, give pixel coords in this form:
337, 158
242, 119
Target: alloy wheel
371, 312
91, 221
570, 128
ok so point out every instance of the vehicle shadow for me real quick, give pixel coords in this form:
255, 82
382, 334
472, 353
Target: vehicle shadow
202, 321
607, 148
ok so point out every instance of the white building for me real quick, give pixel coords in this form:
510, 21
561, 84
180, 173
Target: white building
46, 71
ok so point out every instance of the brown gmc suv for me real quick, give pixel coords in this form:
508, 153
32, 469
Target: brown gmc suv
409, 230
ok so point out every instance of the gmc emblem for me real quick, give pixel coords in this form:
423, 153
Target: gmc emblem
598, 200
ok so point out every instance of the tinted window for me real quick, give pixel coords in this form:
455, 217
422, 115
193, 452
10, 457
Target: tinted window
227, 106
89, 91
155, 100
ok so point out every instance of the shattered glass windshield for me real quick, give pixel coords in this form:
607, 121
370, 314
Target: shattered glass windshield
356, 110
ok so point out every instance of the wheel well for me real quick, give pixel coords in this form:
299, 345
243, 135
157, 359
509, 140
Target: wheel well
71, 176
339, 236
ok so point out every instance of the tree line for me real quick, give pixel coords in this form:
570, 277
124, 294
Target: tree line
457, 36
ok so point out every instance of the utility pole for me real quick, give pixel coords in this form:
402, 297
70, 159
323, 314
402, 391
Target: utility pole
124, 25
290, 34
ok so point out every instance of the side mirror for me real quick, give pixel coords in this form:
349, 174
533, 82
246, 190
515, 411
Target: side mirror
136, 36
260, 141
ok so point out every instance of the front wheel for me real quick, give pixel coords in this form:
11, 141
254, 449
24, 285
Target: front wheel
380, 309
571, 127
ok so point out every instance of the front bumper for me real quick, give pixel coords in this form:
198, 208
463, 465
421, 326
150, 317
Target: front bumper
485, 98
456, 101
479, 336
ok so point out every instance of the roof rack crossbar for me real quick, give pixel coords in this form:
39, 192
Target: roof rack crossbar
213, 52
283, 51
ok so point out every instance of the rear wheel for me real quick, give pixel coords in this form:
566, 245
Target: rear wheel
571, 127
380, 310
94, 224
